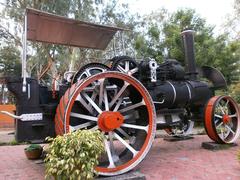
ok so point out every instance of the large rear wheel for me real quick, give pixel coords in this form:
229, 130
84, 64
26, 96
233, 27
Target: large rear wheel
120, 107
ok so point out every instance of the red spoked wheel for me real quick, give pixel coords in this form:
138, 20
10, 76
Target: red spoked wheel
222, 119
120, 107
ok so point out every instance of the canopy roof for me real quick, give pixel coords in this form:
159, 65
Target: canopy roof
50, 28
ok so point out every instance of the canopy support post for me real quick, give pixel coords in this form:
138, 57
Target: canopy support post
24, 55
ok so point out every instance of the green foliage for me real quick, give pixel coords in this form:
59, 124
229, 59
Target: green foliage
74, 155
234, 91
33, 147
13, 142
10, 61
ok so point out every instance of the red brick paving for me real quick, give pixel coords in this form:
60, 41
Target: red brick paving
15, 166
184, 160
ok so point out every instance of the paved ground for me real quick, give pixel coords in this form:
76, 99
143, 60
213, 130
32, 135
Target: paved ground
187, 160
6, 135
167, 160
15, 166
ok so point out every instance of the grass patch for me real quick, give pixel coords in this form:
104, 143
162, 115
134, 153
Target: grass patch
12, 143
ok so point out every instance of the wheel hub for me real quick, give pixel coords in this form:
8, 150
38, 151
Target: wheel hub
109, 120
226, 118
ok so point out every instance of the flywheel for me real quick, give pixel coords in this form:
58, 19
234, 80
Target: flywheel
121, 108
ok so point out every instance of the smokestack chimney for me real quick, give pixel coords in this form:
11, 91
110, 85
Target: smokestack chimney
190, 64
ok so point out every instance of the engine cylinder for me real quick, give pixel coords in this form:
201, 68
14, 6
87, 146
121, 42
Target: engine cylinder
179, 94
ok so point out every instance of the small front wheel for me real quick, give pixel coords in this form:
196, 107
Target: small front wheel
222, 119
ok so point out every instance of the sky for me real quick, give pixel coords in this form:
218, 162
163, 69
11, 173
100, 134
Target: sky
215, 11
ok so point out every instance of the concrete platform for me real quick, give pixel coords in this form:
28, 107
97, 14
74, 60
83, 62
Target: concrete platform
215, 146
177, 138
132, 175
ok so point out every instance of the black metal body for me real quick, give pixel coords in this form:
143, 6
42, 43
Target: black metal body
175, 91
37, 99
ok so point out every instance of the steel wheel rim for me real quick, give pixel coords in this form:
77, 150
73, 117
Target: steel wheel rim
221, 129
114, 167
89, 70
125, 65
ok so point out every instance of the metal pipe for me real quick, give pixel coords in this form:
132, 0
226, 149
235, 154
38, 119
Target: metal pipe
190, 64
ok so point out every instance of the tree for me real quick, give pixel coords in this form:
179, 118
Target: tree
164, 41
10, 61
232, 24
59, 58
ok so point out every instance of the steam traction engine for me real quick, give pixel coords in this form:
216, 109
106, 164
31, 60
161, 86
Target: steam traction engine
127, 100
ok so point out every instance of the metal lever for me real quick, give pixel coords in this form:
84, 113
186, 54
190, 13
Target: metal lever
25, 117
11, 115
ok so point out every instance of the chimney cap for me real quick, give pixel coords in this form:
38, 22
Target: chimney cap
187, 31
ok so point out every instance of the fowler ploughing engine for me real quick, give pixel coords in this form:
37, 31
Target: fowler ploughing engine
126, 100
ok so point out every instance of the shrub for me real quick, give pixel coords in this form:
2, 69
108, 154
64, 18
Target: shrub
74, 155
33, 147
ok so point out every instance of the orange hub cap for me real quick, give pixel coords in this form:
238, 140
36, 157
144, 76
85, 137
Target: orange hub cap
226, 119
108, 120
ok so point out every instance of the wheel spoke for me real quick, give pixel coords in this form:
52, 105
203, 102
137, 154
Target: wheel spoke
120, 92
88, 72
118, 104
101, 89
83, 116
85, 105
126, 66
134, 152
106, 100
230, 129
128, 116
95, 106
221, 108
88, 89
94, 128
123, 133
132, 71
121, 69
131, 107
81, 126
222, 133
217, 120
218, 116
110, 158
227, 103
93, 97
219, 125
112, 149
132, 126
232, 115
